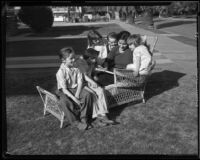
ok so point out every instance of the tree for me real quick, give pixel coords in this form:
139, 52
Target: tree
39, 18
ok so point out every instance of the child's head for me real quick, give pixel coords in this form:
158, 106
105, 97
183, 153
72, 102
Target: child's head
122, 40
91, 55
94, 37
67, 56
112, 39
134, 41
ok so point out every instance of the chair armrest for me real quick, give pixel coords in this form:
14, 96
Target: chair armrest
103, 70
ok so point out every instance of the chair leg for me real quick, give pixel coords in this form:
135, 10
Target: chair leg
44, 111
61, 122
143, 100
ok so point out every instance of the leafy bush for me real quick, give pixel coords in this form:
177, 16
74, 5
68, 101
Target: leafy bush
39, 18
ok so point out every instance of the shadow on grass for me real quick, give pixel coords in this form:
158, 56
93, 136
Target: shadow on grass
160, 82
64, 30
25, 84
58, 31
52, 47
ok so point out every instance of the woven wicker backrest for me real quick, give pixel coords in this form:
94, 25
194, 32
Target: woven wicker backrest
125, 78
43, 93
150, 41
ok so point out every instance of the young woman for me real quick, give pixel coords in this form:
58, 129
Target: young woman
120, 55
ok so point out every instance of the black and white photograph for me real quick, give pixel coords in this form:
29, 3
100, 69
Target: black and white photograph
94, 79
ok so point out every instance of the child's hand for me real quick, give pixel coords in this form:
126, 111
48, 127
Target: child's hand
77, 101
129, 66
135, 74
94, 85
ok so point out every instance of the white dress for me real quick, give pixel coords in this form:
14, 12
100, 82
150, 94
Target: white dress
145, 59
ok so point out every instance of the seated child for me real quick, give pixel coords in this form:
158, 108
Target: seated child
111, 41
142, 58
71, 92
100, 105
95, 41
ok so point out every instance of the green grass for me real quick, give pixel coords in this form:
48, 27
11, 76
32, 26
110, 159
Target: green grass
166, 124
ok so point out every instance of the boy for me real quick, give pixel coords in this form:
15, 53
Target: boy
70, 87
112, 41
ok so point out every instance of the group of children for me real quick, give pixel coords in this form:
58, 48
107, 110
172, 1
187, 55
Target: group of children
80, 95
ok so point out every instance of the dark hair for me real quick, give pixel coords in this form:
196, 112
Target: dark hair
112, 35
134, 39
90, 52
65, 52
123, 35
93, 35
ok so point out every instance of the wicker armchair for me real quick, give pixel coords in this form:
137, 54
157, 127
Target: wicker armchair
128, 88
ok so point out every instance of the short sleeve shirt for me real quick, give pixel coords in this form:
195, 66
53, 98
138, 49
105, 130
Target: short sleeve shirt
142, 52
68, 77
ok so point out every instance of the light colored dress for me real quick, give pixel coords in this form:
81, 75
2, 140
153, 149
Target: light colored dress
145, 57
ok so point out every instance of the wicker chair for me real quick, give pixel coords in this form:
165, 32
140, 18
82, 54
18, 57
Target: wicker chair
128, 88
51, 104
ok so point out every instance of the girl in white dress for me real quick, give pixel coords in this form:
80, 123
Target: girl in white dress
142, 58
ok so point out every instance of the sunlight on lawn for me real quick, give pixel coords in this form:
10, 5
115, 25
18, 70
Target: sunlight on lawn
166, 124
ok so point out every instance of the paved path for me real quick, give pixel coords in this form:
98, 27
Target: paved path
168, 51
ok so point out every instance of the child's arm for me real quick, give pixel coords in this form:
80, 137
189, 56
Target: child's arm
62, 85
91, 81
79, 88
80, 83
69, 94
135, 67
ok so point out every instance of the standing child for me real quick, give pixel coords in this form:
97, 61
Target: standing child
70, 89
100, 105
142, 59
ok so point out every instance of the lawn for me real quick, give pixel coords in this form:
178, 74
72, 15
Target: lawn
81, 30
51, 46
166, 124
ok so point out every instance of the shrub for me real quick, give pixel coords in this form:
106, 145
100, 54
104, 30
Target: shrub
39, 18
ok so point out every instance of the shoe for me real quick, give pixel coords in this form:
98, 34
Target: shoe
105, 119
98, 123
82, 126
